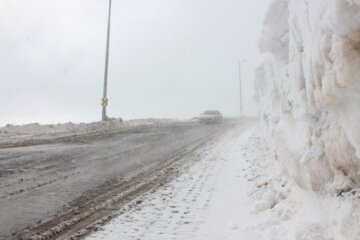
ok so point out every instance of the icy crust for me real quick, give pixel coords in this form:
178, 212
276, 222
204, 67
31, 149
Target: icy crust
35, 133
309, 91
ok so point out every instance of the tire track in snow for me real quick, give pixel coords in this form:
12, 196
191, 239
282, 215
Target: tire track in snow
179, 209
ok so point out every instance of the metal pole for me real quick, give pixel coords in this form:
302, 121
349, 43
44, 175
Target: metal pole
240, 85
105, 99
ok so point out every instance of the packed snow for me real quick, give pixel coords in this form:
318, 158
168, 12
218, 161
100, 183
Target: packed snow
283, 210
207, 201
235, 192
308, 89
35, 133
308, 92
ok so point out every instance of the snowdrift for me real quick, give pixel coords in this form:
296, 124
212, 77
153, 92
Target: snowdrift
308, 90
35, 133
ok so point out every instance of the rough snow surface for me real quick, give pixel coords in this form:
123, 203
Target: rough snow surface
285, 211
37, 182
309, 91
29, 134
235, 192
207, 201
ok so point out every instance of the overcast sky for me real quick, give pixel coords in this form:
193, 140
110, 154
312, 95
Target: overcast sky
168, 58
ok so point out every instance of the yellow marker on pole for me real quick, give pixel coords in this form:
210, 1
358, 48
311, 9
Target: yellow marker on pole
104, 102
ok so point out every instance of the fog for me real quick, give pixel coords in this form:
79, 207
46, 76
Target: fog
168, 58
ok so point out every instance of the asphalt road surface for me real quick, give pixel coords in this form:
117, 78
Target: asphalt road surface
39, 182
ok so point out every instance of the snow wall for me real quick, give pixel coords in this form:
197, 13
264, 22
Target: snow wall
308, 90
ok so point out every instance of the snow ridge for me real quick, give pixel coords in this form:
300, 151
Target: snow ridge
308, 90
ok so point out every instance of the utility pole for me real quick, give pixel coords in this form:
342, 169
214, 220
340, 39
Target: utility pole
104, 100
240, 87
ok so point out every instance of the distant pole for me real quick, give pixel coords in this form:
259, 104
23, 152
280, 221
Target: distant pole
240, 87
105, 100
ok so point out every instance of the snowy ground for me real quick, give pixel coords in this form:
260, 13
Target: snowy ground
308, 92
234, 192
34, 133
208, 201
44, 181
231, 188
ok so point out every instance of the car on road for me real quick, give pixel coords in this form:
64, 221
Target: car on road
211, 116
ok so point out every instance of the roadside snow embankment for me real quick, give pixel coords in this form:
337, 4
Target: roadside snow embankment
309, 91
29, 134
285, 211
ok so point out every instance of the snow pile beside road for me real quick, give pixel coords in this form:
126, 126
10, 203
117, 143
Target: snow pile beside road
36, 128
309, 91
13, 135
283, 210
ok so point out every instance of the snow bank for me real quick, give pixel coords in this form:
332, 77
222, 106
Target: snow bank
308, 90
283, 210
34, 133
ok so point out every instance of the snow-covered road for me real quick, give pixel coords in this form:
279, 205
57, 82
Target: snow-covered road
207, 201
225, 187
42, 182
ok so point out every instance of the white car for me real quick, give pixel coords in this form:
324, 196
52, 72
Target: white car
211, 116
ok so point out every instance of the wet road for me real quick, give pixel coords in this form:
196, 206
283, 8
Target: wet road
36, 182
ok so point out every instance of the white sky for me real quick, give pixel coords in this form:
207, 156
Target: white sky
168, 58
